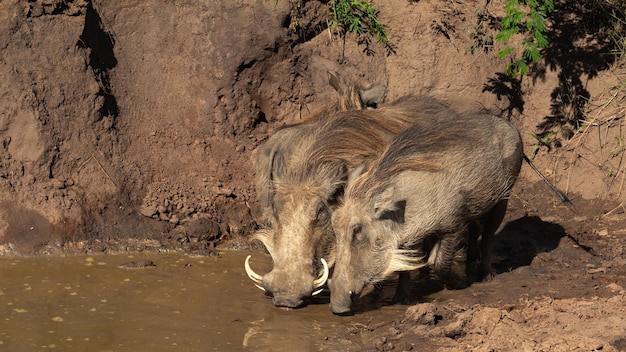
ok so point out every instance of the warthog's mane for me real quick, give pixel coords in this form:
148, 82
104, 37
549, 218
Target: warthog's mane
349, 99
344, 142
356, 136
418, 148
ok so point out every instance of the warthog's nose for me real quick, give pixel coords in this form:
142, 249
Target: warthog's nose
287, 302
281, 297
341, 304
341, 310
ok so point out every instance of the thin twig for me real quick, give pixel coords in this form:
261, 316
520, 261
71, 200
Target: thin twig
600, 141
569, 172
621, 159
621, 205
621, 185
105, 172
594, 120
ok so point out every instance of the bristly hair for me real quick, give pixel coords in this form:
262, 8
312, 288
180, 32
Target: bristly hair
357, 135
417, 148
349, 99
265, 236
404, 260
322, 179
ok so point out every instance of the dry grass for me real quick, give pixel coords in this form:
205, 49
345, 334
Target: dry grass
600, 141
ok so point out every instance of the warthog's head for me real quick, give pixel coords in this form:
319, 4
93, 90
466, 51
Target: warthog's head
367, 249
302, 239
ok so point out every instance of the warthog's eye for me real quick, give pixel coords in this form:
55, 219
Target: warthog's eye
358, 236
321, 215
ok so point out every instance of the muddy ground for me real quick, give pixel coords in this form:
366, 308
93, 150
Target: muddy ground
130, 125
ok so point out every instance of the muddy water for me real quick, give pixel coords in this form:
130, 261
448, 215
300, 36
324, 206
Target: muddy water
183, 303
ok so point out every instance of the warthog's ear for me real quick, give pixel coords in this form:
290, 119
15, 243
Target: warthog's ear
373, 96
395, 213
337, 175
277, 166
335, 81
386, 207
369, 98
359, 170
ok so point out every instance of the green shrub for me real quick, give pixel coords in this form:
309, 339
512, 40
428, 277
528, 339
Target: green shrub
528, 18
360, 18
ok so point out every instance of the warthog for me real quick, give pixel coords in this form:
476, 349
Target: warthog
305, 190
419, 198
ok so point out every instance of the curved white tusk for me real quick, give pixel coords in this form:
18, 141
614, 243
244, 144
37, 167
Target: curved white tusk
319, 282
258, 279
260, 287
317, 292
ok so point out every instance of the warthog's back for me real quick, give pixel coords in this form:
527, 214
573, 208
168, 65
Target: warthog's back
356, 137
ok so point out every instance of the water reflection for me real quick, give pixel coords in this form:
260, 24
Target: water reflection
89, 303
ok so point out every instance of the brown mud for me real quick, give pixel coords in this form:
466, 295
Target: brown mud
101, 303
129, 126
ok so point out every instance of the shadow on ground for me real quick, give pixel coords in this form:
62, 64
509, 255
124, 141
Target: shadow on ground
521, 240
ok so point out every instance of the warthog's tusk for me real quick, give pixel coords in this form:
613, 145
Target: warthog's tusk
317, 292
319, 282
258, 279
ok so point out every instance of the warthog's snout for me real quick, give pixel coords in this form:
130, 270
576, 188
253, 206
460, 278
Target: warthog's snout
288, 294
280, 299
341, 302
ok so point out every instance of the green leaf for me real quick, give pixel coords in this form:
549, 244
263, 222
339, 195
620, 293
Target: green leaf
521, 67
505, 35
532, 54
528, 18
542, 40
516, 18
504, 52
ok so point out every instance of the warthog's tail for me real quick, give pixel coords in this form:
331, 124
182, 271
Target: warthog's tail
560, 194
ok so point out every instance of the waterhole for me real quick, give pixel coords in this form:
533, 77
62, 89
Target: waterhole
158, 302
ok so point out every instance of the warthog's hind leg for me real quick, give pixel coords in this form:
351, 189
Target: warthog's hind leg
493, 219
